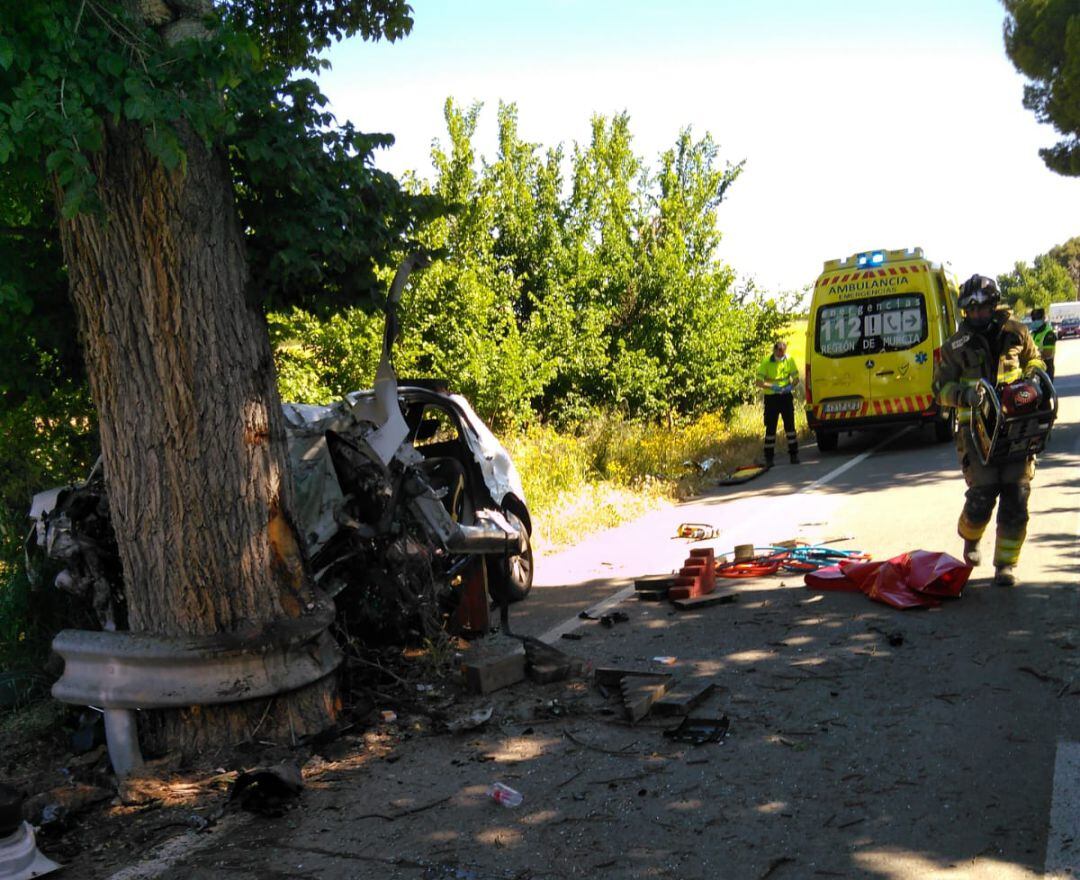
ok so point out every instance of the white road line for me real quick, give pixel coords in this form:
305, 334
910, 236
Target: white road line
1063, 836
614, 599
182, 846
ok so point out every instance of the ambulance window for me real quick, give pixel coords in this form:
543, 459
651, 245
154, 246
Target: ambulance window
870, 325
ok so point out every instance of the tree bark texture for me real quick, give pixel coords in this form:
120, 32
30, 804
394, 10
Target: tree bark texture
192, 433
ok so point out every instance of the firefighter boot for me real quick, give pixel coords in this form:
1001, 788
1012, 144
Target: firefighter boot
795, 456
972, 556
1004, 576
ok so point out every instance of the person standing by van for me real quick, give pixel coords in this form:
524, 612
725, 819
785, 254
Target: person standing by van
988, 345
778, 376
1042, 332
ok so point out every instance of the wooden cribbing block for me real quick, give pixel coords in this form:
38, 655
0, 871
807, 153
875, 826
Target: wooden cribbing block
610, 676
654, 582
691, 603
682, 698
485, 671
639, 692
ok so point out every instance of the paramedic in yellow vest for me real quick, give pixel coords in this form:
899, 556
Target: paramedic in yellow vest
1042, 332
989, 345
778, 376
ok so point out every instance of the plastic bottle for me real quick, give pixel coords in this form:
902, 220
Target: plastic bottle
504, 794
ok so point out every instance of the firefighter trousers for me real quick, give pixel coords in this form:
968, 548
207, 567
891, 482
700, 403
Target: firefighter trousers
779, 406
1008, 486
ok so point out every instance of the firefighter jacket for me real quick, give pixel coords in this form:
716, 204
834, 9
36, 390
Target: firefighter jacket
781, 373
1003, 354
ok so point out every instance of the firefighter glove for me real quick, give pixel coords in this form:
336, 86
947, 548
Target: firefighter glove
972, 395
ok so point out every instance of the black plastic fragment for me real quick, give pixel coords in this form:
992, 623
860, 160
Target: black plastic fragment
699, 731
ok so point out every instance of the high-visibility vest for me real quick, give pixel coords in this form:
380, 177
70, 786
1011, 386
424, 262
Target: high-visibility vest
1039, 337
778, 372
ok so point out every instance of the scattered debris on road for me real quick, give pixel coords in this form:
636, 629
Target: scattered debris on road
742, 474
504, 795
696, 531
698, 731
268, 791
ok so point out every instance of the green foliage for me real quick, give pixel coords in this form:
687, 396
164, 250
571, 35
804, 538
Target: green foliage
319, 361
1038, 285
38, 345
561, 298
1042, 38
1067, 255
319, 217
44, 442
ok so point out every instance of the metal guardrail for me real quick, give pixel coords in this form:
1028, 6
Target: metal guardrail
122, 671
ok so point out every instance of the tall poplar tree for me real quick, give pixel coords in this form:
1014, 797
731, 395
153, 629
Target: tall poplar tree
194, 177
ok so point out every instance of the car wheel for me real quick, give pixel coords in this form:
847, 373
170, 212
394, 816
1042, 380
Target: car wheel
511, 576
827, 440
944, 428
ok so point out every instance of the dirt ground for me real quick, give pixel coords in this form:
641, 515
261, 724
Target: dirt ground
824, 754
864, 742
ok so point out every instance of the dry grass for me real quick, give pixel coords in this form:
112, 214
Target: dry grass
612, 471
32, 721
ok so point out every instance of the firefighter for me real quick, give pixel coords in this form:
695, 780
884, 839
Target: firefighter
989, 345
1042, 332
778, 377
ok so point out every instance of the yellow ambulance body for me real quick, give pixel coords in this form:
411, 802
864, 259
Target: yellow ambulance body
877, 323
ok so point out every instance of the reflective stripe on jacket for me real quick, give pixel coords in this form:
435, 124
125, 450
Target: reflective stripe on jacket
999, 358
781, 372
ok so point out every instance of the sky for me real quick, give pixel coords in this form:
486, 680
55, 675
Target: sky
863, 125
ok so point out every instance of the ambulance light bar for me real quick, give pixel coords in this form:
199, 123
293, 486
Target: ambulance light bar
873, 259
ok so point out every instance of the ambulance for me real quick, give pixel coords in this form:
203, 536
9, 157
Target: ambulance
877, 323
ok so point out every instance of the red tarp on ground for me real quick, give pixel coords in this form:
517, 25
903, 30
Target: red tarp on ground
910, 580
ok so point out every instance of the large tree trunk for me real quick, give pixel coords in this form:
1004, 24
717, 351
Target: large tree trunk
191, 427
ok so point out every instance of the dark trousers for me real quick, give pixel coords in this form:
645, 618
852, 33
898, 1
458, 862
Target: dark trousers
1009, 487
779, 406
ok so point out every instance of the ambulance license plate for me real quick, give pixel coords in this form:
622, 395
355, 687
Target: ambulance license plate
852, 404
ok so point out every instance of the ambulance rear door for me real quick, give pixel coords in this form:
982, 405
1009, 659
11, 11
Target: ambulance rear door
899, 349
840, 380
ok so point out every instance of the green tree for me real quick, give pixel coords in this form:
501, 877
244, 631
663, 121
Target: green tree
1038, 285
1067, 255
563, 298
1042, 39
182, 152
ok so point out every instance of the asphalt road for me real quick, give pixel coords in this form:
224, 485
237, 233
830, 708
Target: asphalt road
864, 741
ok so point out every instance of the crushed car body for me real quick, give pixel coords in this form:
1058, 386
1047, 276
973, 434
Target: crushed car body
397, 489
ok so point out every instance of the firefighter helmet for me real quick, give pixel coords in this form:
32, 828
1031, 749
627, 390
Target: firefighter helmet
978, 290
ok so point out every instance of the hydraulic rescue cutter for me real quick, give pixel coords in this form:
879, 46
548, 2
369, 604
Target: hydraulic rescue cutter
1013, 421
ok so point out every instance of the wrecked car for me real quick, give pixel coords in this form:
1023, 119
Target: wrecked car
450, 475
398, 491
